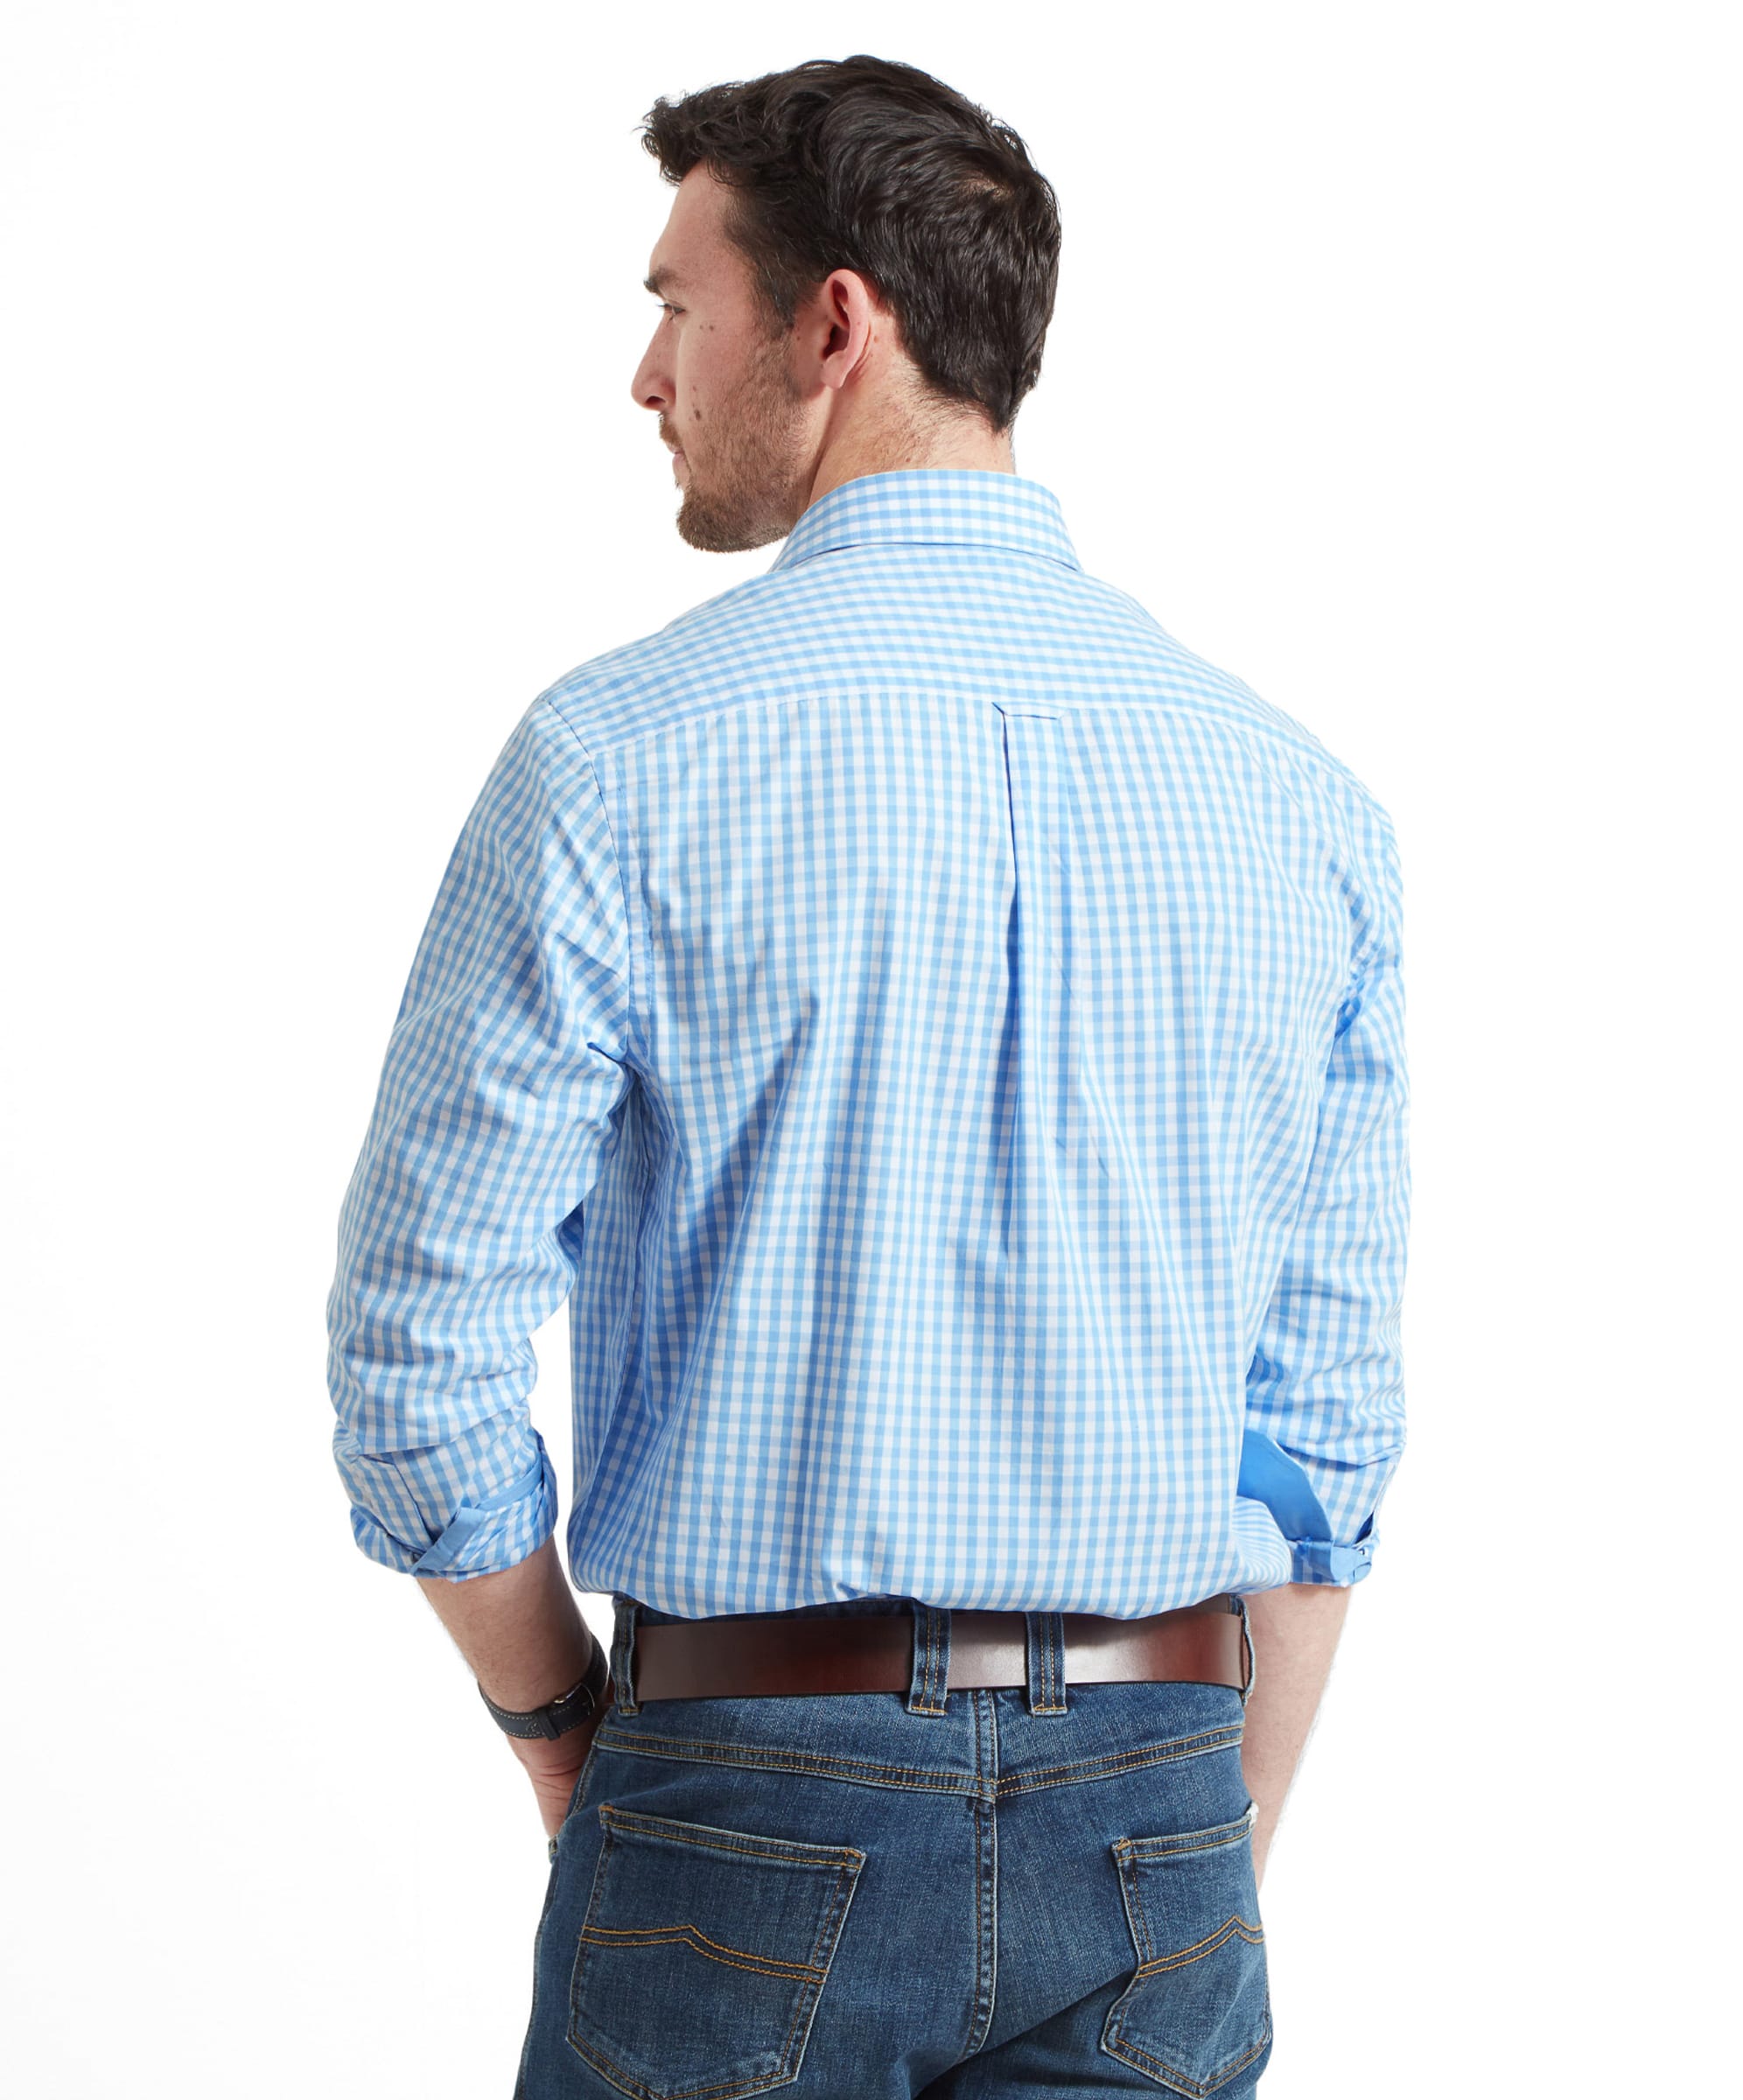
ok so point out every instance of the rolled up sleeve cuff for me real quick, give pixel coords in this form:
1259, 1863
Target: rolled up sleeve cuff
498, 1531
1318, 1560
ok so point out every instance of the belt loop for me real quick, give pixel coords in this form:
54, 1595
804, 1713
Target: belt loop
1247, 1645
929, 1686
1044, 1668
623, 1653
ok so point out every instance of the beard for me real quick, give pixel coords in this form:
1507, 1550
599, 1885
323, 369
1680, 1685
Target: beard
750, 486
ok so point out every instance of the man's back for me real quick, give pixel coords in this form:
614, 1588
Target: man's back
948, 1036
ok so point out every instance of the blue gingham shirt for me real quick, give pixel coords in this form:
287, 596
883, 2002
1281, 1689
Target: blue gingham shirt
946, 1042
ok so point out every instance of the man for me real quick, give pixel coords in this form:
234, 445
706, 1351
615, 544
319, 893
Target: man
946, 1040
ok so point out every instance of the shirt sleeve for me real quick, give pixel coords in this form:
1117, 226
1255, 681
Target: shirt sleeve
496, 1110
1325, 1415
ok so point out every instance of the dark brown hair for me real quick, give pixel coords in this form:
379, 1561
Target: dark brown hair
867, 165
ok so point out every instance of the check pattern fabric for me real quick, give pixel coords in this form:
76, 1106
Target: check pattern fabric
945, 1040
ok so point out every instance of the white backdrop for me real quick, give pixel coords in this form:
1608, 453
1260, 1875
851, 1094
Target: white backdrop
1395, 370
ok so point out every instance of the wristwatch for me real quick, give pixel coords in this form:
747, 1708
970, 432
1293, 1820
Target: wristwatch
579, 1704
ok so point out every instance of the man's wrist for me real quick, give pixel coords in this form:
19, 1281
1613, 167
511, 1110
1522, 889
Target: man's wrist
578, 1703
518, 1628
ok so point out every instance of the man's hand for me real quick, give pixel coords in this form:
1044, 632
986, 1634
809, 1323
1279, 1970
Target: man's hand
554, 1767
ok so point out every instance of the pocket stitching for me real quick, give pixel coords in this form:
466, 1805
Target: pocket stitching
1156, 1963
794, 1852
698, 1941
1129, 1852
1190, 1841
1178, 2081
843, 1863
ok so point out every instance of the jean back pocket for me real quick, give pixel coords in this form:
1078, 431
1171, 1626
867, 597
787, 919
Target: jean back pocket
1197, 2012
703, 1954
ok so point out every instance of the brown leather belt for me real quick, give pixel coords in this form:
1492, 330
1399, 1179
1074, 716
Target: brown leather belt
756, 1654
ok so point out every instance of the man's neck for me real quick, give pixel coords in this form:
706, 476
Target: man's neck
967, 444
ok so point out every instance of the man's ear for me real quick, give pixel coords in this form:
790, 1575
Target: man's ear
851, 311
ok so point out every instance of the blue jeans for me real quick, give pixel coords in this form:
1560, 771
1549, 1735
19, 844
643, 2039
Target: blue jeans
870, 1895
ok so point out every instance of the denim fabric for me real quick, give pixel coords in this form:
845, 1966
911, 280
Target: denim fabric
1040, 1889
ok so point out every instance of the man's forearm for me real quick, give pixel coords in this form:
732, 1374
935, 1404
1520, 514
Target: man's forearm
1295, 1634
521, 1629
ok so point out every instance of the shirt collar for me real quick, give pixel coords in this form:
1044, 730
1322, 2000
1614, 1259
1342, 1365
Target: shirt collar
934, 506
